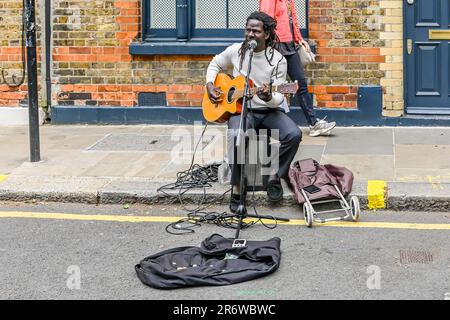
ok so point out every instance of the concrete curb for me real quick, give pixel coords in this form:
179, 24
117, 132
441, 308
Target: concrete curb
400, 197
71, 197
404, 196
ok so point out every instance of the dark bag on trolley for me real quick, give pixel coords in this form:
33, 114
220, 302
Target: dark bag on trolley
215, 263
308, 172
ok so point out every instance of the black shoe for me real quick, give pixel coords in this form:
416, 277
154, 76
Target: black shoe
235, 201
274, 190
289, 184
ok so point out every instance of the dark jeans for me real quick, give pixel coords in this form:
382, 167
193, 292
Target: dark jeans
289, 136
297, 72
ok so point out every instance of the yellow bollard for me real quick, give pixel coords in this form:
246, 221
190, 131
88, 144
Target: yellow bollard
376, 194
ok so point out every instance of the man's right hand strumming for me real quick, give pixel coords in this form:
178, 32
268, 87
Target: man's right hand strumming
214, 93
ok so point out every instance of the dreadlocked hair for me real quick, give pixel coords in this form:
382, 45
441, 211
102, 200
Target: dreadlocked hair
269, 28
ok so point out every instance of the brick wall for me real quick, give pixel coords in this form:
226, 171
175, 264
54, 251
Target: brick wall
93, 67
348, 38
10, 53
359, 43
90, 51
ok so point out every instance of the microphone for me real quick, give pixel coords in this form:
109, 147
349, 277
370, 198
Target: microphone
252, 44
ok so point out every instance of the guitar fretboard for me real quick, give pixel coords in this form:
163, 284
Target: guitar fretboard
254, 90
282, 88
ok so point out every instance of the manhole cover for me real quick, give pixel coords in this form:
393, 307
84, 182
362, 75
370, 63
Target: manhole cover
415, 256
142, 142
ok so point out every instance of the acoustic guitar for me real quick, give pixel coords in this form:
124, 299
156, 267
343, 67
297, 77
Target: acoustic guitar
233, 92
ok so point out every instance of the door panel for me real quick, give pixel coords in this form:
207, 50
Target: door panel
448, 73
427, 65
448, 18
427, 69
427, 13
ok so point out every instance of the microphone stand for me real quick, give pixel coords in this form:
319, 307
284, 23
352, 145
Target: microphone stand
240, 142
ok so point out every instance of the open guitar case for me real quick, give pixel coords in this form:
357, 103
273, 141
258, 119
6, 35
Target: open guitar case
216, 262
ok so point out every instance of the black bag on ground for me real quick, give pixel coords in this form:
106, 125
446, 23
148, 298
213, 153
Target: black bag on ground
215, 263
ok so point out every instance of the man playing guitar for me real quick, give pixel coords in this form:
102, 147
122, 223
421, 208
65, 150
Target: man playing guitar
265, 107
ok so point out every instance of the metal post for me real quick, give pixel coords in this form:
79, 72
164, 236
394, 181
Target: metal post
182, 20
47, 49
33, 112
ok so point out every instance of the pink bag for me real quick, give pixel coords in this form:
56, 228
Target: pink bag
309, 172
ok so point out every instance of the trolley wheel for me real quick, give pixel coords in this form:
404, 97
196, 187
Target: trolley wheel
355, 209
308, 214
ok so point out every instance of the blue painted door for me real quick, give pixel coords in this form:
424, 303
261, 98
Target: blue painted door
427, 56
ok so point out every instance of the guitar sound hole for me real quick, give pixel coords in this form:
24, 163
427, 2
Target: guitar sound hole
230, 94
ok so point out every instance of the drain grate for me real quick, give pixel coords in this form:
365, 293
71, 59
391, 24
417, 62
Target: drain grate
415, 256
142, 142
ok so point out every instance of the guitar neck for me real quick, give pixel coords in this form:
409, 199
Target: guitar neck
254, 90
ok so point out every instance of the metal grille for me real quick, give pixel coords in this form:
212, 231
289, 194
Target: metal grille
238, 13
210, 14
300, 8
149, 99
213, 14
415, 256
163, 14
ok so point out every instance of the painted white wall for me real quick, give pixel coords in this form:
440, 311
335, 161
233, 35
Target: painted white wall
11, 116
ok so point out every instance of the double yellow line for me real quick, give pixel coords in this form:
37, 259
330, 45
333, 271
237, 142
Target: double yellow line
167, 219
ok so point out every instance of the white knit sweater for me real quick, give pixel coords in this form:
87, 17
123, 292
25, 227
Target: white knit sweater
261, 71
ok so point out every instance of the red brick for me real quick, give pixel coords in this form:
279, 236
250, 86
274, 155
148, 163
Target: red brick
108, 88
338, 51
372, 59
337, 89
11, 50
80, 50
354, 59
319, 89
362, 51
320, 35
12, 95
126, 4
122, 20
342, 59
180, 88
324, 97
335, 104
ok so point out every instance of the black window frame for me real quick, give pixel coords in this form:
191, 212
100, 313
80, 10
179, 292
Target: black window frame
185, 39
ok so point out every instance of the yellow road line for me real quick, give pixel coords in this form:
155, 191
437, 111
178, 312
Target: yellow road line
3, 177
86, 217
293, 222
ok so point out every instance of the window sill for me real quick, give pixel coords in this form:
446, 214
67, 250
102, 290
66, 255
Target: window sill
179, 48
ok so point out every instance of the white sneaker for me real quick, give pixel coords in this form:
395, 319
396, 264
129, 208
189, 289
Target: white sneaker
321, 127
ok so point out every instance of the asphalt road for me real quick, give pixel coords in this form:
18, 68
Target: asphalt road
60, 256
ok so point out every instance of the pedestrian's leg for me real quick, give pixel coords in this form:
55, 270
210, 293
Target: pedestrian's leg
297, 72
